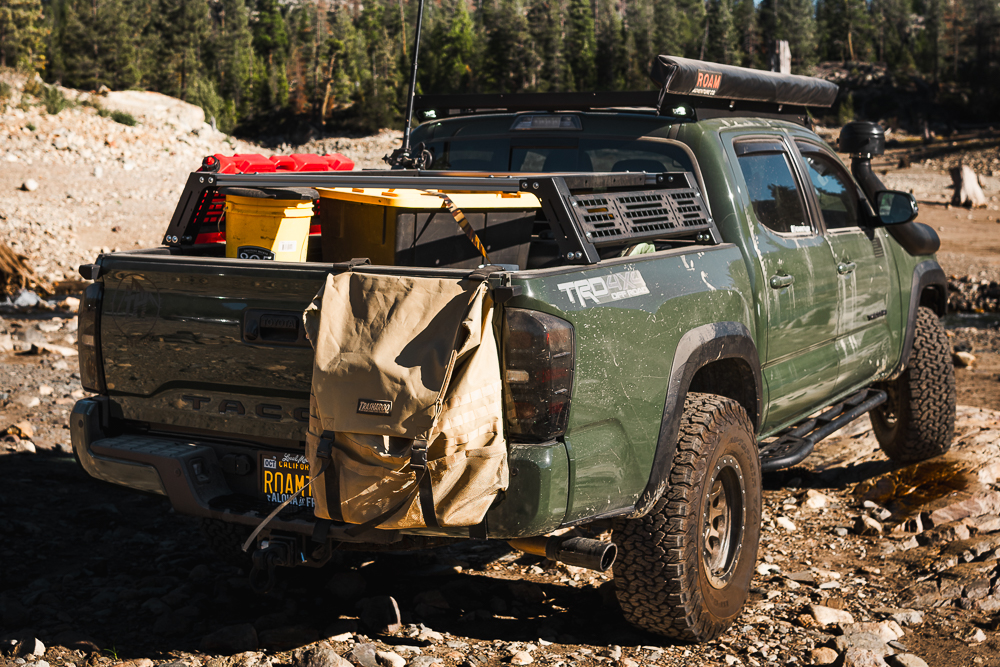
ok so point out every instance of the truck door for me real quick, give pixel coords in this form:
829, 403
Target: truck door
863, 337
800, 288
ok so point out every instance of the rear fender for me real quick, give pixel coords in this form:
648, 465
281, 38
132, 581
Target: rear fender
698, 349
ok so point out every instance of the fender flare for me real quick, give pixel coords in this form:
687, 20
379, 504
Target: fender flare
925, 274
696, 349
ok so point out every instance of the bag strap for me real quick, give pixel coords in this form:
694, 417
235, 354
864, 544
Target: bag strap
324, 452
463, 222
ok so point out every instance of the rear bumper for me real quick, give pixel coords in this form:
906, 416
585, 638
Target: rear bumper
188, 474
191, 477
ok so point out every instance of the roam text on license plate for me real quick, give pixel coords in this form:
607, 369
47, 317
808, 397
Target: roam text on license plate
281, 475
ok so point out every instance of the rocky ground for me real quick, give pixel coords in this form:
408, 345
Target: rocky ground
862, 562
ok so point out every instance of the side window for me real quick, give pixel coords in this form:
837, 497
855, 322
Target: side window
837, 194
774, 193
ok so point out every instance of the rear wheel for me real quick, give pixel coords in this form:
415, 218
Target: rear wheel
918, 419
684, 569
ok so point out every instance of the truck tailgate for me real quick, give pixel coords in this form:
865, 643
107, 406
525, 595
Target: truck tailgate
209, 345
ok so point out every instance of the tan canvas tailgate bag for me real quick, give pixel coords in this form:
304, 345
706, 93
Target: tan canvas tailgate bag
406, 400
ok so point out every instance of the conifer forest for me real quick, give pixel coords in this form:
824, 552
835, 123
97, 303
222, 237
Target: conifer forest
255, 63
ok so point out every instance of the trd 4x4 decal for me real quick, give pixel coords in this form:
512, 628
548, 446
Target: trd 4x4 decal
605, 289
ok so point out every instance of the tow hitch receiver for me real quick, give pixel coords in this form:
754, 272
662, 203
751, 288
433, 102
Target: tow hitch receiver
284, 551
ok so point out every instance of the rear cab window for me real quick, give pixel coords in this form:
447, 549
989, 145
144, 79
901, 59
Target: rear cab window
592, 144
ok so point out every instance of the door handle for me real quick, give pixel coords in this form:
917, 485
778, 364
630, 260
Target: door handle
777, 282
846, 267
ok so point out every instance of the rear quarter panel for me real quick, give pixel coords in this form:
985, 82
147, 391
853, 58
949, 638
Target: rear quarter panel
624, 352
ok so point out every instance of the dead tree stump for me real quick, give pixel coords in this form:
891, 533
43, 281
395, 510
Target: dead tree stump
968, 190
15, 274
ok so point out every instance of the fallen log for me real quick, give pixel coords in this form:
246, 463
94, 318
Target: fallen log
16, 274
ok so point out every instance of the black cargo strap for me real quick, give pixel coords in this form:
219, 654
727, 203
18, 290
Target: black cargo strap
421, 488
324, 452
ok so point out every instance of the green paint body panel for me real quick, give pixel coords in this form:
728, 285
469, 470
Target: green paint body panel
176, 360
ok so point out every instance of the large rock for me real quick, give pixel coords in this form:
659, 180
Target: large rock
829, 616
856, 657
865, 641
319, 657
364, 655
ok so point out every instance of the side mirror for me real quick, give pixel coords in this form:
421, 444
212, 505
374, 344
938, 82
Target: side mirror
895, 207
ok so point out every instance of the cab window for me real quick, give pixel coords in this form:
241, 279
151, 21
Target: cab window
774, 192
836, 192
544, 154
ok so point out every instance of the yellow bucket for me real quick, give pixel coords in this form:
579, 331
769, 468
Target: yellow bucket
273, 229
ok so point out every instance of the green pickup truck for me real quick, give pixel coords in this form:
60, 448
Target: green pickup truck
700, 292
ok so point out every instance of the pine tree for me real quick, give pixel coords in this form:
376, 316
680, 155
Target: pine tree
546, 27
610, 47
845, 29
270, 45
182, 27
378, 96
449, 57
691, 23
231, 59
745, 21
509, 62
21, 33
99, 43
640, 43
723, 40
580, 45
795, 22
892, 22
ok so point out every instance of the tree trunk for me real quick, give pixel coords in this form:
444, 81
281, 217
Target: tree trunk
967, 188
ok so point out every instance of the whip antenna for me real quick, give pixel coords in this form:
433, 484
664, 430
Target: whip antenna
403, 157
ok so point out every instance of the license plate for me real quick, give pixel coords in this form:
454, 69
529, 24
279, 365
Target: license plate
281, 475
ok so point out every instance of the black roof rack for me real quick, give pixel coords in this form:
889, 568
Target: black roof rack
465, 104
692, 89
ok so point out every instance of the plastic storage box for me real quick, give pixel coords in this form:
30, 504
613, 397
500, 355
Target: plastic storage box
413, 227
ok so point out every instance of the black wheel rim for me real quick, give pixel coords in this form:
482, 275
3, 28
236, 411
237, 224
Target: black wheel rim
723, 521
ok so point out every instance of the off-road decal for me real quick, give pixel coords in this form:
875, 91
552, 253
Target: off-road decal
604, 289
707, 83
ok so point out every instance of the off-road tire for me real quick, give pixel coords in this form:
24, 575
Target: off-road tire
664, 580
918, 419
226, 541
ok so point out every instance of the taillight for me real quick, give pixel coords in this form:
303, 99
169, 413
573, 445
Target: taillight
88, 341
538, 373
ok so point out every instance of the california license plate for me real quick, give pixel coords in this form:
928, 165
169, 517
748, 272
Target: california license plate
281, 475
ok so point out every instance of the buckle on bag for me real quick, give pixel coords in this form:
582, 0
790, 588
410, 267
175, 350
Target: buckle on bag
418, 455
